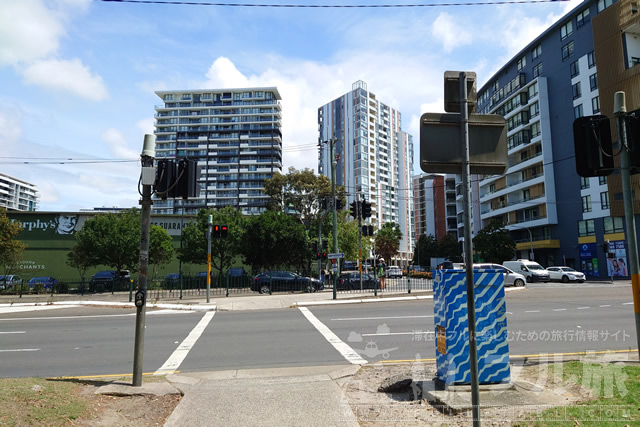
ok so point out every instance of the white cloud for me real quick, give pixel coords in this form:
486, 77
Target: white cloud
223, 73
10, 129
65, 75
450, 32
117, 144
146, 126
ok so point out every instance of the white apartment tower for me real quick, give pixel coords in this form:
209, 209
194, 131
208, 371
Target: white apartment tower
235, 136
374, 158
17, 195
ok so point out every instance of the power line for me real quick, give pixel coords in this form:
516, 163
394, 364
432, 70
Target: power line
332, 6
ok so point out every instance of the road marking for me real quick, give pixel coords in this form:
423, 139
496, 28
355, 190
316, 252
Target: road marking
627, 303
178, 356
606, 305
14, 332
68, 317
20, 349
582, 308
560, 309
344, 349
533, 311
381, 318
398, 333
21, 308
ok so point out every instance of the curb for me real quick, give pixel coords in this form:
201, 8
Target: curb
188, 307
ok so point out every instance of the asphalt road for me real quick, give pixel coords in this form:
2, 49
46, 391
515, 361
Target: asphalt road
98, 341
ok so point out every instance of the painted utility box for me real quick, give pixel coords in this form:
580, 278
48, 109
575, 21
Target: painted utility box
452, 330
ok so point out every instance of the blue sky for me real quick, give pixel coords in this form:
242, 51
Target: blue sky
79, 75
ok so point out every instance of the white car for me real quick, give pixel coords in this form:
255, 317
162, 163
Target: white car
511, 278
565, 274
394, 272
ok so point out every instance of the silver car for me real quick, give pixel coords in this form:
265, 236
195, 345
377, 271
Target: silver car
511, 278
565, 274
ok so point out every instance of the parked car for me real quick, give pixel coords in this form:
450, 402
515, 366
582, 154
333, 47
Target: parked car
533, 271
565, 274
511, 278
284, 281
394, 272
9, 281
238, 277
107, 279
417, 268
47, 281
172, 280
350, 280
201, 278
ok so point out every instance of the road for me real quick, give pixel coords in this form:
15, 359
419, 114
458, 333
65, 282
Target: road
99, 341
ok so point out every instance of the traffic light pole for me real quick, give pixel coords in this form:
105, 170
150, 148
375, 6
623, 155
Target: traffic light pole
468, 254
620, 112
334, 163
359, 210
209, 257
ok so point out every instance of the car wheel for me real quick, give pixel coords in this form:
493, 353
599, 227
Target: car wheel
565, 279
518, 282
310, 288
264, 289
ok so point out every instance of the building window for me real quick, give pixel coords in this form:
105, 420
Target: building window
567, 50
604, 200
536, 52
582, 18
534, 110
533, 90
577, 91
603, 4
577, 111
522, 62
595, 104
613, 225
575, 69
602, 180
584, 182
586, 204
593, 82
526, 195
535, 129
586, 228
591, 59
566, 30
537, 70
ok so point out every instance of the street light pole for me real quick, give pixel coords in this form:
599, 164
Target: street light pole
334, 163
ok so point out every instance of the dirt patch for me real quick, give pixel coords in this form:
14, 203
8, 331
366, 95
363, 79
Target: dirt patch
127, 410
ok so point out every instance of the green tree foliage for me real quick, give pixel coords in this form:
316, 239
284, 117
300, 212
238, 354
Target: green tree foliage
79, 259
449, 248
276, 240
10, 249
160, 247
494, 243
112, 239
387, 240
425, 249
223, 251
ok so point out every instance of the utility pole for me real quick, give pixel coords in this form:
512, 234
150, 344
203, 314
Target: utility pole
148, 178
359, 210
620, 111
209, 257
334, 163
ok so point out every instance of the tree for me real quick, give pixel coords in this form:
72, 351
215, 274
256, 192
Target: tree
425, 249
387, 240
449, 248
494, 243
160, 247
79, 259
112, 239
223, 250
10, 249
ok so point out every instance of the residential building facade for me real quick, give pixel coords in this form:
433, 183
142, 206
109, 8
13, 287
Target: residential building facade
374, 158
235, 136
17, 195
551, 211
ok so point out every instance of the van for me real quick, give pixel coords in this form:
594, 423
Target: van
533, 271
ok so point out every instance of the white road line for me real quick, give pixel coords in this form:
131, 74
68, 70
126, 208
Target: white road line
20, 308
381, 318
69, 317
344, 349
20, 349
627, 303
533, 311
606, 305
560, 309
398, 333
13, 332
175, 360
582, 308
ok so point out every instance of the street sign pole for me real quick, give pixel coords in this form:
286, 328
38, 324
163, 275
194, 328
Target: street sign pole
334, 163
468, 254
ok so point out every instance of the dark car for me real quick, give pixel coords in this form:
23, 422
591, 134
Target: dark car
238, 277
350, 280
9, 281
108, 279
47, 281
172, 280
284, 281
201, 278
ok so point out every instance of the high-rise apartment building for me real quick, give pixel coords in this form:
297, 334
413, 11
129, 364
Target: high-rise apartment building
235, 136
552, 212
374, 158
17, 195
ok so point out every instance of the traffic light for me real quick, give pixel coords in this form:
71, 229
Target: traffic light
339, 204
325, 245
319, 255
367, 230
165, 178
187, 179
216, 231
633, 140
366, 209
354, 209
224, 230
593, 147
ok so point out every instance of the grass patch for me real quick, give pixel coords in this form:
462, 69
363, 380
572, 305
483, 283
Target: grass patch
38, 401
611, 395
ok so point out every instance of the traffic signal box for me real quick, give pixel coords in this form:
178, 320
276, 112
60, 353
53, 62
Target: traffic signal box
220, 231
593, 147
177, 179
354, 209
366, 209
